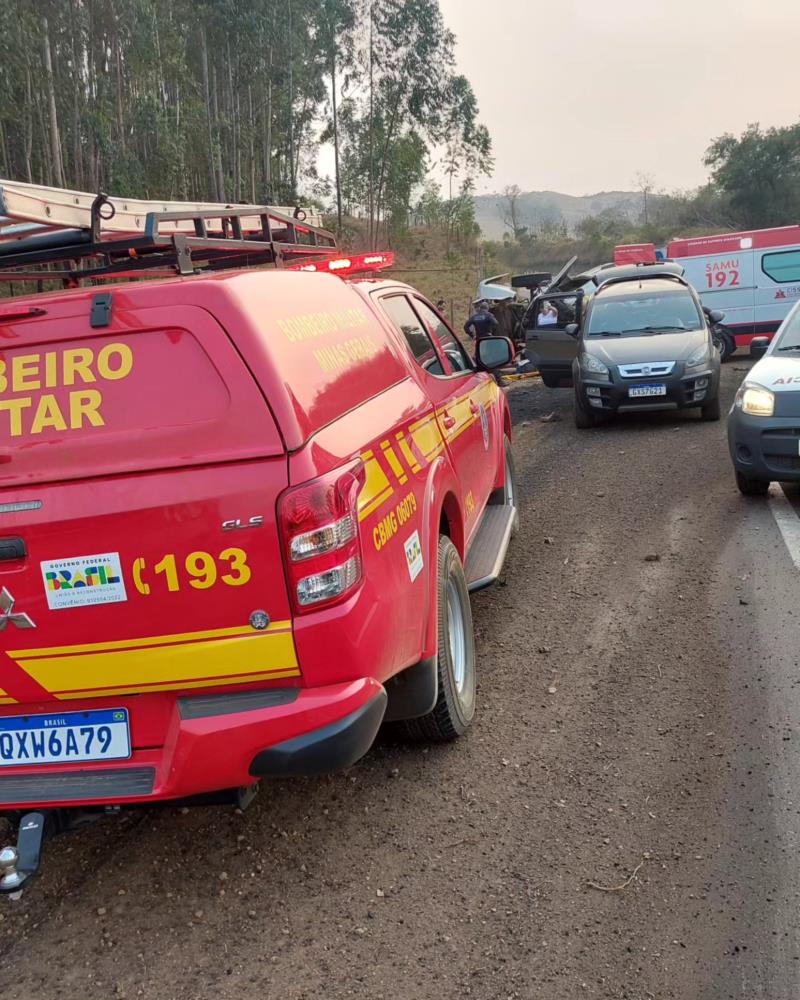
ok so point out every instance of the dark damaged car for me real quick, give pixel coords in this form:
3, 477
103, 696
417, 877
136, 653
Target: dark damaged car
641, 341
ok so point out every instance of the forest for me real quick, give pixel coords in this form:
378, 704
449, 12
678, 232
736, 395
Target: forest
229, 100
232, 101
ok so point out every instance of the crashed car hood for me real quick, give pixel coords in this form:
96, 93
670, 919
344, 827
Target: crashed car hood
646, 347
776, 372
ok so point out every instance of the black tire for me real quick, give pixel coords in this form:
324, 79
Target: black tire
455, 702
551, 380
711, 410
751, 487
583, 418
724, 341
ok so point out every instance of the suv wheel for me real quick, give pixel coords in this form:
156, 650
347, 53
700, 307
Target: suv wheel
711, 410
583, 417
751, 487
455, 661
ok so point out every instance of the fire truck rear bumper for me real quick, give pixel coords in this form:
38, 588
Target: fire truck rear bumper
216, 742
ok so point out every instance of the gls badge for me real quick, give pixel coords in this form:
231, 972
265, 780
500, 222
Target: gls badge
238, 524
7, 613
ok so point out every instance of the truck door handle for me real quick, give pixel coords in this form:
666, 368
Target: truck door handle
12, 548
474, 409
448, 422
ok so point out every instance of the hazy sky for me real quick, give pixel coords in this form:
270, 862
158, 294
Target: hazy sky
580, 95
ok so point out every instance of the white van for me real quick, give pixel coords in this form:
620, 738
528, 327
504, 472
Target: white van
753, 277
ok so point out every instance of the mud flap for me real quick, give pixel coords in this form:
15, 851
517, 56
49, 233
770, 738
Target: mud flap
412, 692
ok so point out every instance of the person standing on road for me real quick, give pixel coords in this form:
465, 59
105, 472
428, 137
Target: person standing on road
481, 323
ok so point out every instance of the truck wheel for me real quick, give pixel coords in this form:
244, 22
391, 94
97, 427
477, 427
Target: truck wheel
550, 380
711, 411
506, 495
455, 661
751, 487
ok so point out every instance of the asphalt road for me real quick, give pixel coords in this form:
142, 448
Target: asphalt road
621, 823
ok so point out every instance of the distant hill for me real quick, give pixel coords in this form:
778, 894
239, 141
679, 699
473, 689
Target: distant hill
538, 207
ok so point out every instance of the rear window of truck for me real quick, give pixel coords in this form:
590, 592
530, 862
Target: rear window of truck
78, 403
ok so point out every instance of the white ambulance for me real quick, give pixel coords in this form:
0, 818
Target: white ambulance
753, 277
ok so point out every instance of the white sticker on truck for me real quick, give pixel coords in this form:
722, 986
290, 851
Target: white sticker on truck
83, 580
414, 556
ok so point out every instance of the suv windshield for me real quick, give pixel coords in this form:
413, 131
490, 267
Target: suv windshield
639, 315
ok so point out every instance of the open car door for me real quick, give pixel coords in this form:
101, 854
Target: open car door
548, 346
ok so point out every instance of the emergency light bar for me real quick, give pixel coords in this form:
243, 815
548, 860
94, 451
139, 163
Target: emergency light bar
635, 253
354, 264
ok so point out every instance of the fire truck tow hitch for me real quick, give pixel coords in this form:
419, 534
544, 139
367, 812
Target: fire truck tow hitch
18, 864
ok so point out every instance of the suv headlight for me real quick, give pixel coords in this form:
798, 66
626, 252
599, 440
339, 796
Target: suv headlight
755, 400
590, 365
701, 356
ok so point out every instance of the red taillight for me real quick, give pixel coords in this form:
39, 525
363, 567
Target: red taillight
321, 540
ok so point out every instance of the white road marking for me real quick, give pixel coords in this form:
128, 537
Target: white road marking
788, 522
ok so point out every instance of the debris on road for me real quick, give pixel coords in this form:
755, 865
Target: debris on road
617, 888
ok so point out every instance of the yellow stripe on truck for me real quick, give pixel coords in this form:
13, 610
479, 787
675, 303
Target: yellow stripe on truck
427, 437
407, 452
376, 487
157, 640
430, 440
394, 462
162, 663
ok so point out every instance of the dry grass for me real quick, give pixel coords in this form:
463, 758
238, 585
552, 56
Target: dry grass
424, 260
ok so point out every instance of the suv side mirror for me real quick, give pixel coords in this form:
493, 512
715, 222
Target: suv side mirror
572, 329
494, 352
758, 347
716, 316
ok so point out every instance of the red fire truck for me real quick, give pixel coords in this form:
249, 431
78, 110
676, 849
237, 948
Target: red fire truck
241, 507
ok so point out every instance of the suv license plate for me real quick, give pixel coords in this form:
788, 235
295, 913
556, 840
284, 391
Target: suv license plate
647, 390
64, 737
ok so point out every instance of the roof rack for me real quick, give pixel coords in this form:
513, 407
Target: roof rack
51, 234
637, 272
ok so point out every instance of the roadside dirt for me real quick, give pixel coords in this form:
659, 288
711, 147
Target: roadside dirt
598, 756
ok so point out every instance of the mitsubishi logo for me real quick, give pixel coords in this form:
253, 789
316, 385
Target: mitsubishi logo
7, 613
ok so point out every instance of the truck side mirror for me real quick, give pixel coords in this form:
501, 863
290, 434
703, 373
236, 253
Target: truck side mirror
572, 329
758, 347
716, 316
494, 352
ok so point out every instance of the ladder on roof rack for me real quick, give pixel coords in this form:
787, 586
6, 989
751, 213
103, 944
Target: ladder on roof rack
56, 234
